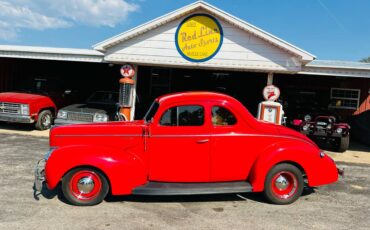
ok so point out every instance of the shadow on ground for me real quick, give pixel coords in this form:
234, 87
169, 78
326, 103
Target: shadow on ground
353, 146
17, 127
258, 197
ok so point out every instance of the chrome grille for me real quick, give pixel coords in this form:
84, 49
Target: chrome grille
10, 108
85, 117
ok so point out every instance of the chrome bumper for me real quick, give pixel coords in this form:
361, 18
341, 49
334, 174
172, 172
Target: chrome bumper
39, 174
16, 118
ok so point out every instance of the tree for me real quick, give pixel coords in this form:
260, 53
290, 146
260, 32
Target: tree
366, 60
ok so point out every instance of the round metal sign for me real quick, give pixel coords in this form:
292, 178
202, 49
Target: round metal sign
271, 93
199, 37
127, 70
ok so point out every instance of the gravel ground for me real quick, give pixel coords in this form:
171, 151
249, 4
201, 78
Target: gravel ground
344, 205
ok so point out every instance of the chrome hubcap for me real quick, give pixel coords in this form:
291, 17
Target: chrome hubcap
281, 182
85, 185
46, 120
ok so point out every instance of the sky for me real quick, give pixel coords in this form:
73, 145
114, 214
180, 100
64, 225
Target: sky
329, 29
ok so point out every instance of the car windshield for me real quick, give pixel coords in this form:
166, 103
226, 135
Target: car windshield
151, 112
103, 98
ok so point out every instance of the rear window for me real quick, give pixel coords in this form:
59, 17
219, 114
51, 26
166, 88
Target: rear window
222, 116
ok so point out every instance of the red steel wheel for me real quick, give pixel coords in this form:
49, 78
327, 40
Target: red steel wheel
84, 186
283, 184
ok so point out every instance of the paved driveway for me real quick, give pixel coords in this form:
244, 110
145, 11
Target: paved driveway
344, 205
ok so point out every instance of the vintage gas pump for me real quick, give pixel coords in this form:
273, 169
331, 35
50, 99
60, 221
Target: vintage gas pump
270, 110
126, 91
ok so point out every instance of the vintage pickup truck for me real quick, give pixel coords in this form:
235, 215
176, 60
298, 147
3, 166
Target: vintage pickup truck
187, 143
28, 108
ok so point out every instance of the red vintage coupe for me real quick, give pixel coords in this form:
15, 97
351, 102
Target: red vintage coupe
187, 143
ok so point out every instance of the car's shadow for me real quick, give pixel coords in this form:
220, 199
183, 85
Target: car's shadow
258, 197
48, 194
17, 127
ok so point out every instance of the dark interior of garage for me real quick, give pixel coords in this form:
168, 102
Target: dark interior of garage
54, 78
154, 81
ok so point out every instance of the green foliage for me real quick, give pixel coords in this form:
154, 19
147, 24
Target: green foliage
366, 60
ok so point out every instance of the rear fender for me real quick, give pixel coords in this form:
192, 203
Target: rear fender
304, 155
123, 169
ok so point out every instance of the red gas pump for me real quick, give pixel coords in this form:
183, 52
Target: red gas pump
126, 91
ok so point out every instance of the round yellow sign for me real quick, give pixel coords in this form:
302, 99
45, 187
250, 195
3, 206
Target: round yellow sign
199, 37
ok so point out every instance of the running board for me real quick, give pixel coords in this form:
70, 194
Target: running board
166, 189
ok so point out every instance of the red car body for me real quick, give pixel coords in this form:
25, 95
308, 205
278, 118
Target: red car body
10, 103
133, 154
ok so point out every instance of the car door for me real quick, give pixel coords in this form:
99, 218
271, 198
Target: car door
179, 145
232, 148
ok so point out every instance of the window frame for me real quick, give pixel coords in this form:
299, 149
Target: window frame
177, 116
345, 98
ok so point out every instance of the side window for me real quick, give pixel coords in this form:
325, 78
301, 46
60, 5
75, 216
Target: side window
222, 116
189, 115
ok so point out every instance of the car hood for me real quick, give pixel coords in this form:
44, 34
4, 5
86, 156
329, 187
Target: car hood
80, 133
89, 108
22, 98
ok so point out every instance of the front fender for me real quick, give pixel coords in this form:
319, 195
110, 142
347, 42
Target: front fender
319, 170
123, 169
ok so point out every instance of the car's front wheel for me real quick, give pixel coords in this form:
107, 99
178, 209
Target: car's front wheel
44, 120
85, 186
343, 144
283, 184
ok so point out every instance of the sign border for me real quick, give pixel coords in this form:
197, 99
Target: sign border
263, 95
177, 33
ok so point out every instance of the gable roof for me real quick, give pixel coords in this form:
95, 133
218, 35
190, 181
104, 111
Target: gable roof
200, 5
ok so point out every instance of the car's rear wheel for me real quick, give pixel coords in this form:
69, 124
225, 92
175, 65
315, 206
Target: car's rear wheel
343, 144
283, 184
84, 186
44, 120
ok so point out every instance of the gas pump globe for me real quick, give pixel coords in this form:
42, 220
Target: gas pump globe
126, 91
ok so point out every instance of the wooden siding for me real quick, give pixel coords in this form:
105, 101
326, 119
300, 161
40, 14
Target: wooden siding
240, 50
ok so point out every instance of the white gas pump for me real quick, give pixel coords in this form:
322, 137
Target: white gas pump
270, 110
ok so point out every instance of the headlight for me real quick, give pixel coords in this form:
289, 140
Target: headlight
100, 117
339, 130
307, 117
62, 114
25, 109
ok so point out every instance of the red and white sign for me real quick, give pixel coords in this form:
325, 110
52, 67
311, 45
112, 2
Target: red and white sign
271, 93
127, 71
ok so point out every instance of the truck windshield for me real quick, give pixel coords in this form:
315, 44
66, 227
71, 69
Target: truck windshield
151, 112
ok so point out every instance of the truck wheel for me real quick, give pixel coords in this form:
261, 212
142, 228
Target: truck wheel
343, 144
283, 184
84, 186
44, 120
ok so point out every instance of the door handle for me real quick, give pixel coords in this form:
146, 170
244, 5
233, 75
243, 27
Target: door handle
202, 141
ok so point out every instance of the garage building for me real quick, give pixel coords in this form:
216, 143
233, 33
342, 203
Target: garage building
197, 47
